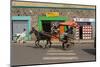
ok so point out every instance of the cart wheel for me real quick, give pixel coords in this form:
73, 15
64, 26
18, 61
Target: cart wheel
71, 45
68, 45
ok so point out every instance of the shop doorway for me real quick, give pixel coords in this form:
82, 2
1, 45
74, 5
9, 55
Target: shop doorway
46, 26
82, 24
19, 23
45, 23
18, 26
81, 32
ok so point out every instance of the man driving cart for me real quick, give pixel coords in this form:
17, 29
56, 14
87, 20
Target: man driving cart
68, 34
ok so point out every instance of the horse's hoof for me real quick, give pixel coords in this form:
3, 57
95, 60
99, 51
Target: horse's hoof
15, 42
24, 42
50, 46
35, 45
64, 49
40, 46
44, 47
68, 46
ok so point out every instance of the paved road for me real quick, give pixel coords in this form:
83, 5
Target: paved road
28, 54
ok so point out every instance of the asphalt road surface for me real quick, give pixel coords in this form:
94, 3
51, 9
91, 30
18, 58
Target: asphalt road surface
28, 54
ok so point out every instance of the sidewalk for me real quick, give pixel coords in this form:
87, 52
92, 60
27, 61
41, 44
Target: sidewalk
75, 41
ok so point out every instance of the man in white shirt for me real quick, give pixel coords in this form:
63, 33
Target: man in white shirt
22, 36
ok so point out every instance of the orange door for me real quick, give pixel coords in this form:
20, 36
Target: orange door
61, 29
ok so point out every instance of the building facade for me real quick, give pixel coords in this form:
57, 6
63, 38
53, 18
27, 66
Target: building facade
35, 15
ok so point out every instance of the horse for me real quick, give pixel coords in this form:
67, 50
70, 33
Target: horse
41, 36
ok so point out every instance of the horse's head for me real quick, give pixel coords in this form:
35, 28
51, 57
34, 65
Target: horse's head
32, 30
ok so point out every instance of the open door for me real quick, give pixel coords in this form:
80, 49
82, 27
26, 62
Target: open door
46, 26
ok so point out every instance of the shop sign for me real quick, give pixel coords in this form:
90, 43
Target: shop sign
52, 14
84, 19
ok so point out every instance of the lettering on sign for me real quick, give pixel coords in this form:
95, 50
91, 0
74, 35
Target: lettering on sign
52, 14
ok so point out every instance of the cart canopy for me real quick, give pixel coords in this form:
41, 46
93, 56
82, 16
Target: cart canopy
69, 23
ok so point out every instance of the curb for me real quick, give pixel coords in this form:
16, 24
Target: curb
77, 42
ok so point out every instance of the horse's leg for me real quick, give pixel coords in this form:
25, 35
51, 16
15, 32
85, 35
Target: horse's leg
63, 44
39, 44
46, 44
36, 43
50, 43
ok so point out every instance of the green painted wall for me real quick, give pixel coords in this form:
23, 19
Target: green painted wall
40, 18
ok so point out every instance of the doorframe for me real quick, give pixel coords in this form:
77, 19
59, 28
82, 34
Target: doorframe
28, 18
40, 18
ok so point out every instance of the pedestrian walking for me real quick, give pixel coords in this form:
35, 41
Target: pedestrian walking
21, 38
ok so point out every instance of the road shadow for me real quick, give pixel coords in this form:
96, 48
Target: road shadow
90, 51
56, 47
59, 47
31, 46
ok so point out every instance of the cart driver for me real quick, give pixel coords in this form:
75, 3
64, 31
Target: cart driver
54, 29
67, 32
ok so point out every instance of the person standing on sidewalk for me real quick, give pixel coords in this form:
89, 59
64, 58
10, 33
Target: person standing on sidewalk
21, 38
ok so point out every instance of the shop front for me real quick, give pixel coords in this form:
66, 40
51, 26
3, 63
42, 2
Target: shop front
18, 24
46, 22
85, 30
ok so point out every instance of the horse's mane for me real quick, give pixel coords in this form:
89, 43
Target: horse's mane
36, 32
41, 35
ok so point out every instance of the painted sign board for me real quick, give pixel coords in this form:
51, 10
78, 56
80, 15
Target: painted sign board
52, 14
84, 19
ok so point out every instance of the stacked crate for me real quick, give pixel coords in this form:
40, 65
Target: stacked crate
77, 33
87, 32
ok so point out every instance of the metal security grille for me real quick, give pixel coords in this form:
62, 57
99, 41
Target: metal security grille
18, 26
77, 33
87, 32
